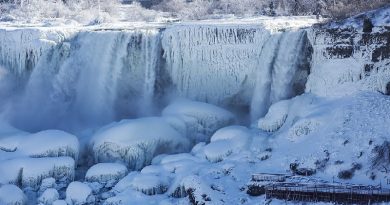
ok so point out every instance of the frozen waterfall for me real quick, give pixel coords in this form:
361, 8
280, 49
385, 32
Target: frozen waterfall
86, 78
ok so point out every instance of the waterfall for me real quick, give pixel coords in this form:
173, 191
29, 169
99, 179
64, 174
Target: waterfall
88, 78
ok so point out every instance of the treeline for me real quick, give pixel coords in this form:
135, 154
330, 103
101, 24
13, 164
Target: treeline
189, 9
328, 8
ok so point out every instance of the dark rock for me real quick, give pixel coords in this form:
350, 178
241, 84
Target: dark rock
345, 174
255, 190
367, 25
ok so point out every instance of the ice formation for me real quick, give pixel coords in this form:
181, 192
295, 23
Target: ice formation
136, 142
29, 172
201, 119
275, 117
106, 174
78, 193
48, 197
227, 141
11, 195
226, 64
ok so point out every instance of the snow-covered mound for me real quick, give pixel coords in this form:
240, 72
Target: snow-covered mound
12, 195
275, 117
136, 142
78, 193
106, 174
29, 172
48, 196
149, 184
48, 143
227, 141
348, 134
201, 119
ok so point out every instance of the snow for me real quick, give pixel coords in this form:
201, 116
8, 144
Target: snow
106, 173
201, 119
11, 195
49, 143
136, 142
227, 141
79, 79
29, 172
275, 117
149, 184
78, 193
48, 196
59, 202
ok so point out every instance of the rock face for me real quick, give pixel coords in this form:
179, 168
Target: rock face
349, 59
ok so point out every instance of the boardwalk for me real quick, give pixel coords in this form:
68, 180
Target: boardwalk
318, 192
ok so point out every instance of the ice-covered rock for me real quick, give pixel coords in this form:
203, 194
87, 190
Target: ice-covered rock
202, 119
29, 172
49, 143
136, 142
276, 116
47, 183
227, 141
12, 195
106, 174
230, 133
78, 193
348, 60
48, 196
199, 192
150, 184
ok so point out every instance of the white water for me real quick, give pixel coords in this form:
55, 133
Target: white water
94, 77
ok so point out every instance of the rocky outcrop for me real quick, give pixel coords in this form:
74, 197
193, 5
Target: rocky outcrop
345, 56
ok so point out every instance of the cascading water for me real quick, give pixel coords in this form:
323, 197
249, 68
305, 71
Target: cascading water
89, 78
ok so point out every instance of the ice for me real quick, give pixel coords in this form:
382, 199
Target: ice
150, 184
12, 195
201, 119
47, 183
275, 117
78, 193
136, 142
59, 202
48, 196
21, 49
29, 172
227, 141
106, 174
49, 143
60, 91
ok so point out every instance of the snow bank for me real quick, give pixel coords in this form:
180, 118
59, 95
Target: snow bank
227, 141
276, 116
106, 174
150, 184
48, 196
136, 142
201, 119
29, 172
79, 193
12, 195
49, 143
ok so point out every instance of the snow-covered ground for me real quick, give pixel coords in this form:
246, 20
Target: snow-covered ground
171, 150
